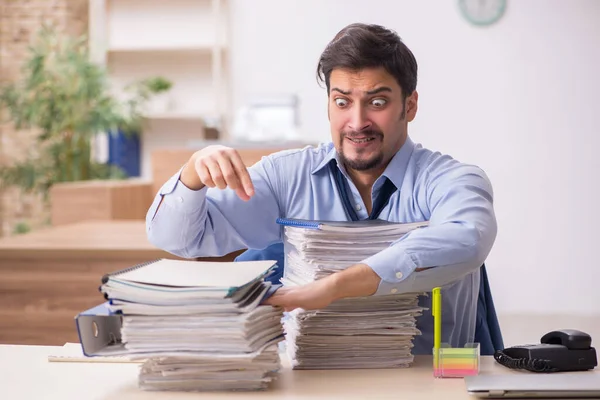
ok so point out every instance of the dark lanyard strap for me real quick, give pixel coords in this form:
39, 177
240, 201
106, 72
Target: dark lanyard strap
386, 191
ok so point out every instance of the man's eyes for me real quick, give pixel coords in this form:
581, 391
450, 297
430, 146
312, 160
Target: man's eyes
341, 102
377, 103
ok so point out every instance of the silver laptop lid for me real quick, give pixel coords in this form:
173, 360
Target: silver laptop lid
531, 385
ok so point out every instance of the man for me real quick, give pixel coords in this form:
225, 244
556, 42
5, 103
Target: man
372, 169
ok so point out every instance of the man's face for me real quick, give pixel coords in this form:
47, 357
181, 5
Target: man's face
368, 117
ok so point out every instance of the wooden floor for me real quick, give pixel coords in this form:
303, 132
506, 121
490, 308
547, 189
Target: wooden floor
49, 276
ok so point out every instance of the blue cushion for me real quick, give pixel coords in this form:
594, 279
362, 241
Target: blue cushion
273, 252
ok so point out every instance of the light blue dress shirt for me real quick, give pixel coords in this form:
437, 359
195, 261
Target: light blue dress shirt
456, 199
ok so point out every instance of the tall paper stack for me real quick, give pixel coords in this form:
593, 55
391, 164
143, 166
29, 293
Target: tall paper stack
198, 326
366, 332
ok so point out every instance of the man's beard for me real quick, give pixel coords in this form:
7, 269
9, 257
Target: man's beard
366, 164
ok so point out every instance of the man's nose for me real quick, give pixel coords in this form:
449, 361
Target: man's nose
359, 120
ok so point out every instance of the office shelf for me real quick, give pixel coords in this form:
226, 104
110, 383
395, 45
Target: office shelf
184, 41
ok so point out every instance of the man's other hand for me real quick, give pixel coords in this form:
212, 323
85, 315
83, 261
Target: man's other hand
356, 281
315, 295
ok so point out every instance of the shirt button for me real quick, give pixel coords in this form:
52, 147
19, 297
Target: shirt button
358, 207
180, 199
399, 275
394, 290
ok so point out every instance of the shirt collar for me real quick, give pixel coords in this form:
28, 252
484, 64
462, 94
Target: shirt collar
395, 169
331, 155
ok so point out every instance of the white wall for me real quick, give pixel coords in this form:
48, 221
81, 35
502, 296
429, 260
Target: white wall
517, 98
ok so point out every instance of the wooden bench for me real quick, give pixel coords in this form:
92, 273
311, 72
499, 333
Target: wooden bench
100, 200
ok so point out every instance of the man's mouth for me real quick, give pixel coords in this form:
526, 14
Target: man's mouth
361, 140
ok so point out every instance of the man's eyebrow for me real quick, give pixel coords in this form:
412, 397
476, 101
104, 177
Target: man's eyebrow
346, 92
379, 90
369, 92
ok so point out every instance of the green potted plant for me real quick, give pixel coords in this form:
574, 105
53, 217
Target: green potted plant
159, 89
67, 100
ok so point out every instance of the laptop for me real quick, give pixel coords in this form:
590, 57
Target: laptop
564, 385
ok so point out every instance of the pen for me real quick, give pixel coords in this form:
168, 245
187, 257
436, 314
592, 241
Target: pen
436, 311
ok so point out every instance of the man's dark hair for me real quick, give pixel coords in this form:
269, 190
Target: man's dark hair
360, 46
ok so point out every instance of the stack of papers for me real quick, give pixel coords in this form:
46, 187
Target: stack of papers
374, 332
199, 326
366, 332
209, 373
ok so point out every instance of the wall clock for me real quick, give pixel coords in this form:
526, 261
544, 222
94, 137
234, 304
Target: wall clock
482, 12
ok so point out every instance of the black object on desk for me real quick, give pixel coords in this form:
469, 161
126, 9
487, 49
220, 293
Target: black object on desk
560, 350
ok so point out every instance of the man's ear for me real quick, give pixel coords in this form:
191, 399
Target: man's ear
412, 105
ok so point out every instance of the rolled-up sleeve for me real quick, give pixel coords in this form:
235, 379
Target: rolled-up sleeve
460, 235
214, 222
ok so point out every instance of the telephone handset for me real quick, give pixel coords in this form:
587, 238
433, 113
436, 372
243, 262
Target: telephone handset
560, 350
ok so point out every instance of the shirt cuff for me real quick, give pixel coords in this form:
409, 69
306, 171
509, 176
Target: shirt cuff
393, 266
179, 197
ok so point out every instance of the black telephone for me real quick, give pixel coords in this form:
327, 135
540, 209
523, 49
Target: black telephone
560, 350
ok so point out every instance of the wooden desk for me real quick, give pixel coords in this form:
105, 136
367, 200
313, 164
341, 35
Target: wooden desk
49, 276
25, 373
29, 375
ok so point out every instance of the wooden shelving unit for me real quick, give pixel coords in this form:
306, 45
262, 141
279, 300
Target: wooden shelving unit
185, 41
